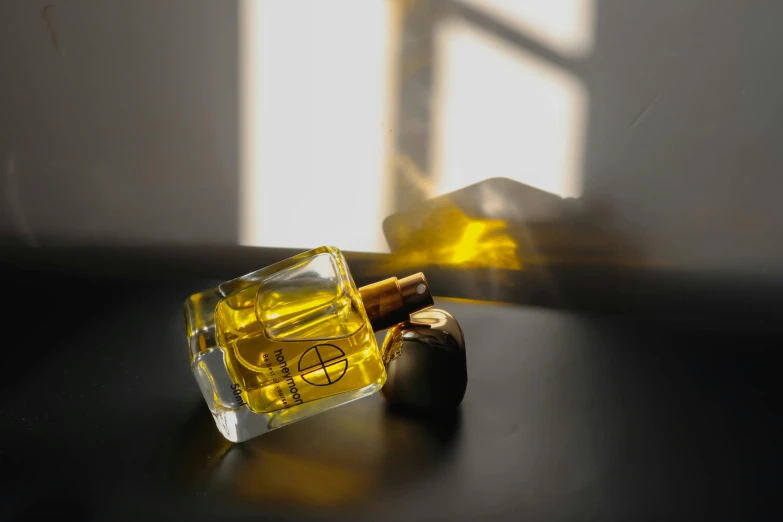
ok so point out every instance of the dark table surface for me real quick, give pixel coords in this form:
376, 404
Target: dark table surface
567, 416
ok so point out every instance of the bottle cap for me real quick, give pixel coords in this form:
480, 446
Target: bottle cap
393, 300
426, 366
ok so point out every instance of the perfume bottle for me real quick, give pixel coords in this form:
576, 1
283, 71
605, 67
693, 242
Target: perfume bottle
293, 339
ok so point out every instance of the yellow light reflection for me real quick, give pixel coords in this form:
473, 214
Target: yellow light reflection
448, 237
325, 465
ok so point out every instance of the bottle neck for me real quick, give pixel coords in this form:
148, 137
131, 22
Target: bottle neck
393, 300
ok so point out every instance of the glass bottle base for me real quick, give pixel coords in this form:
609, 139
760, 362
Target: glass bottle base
241, 424
236, 421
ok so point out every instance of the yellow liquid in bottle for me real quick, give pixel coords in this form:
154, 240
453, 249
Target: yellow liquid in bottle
292, 340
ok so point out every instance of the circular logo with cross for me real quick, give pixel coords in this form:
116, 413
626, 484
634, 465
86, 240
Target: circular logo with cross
323, 364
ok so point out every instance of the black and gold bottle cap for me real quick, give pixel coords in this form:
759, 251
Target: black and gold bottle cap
392, 301
426, 364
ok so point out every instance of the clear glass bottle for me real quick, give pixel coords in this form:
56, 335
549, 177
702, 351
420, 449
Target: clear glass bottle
293, 339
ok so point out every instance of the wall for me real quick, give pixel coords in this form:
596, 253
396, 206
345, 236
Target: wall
124, 127
118, 121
